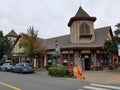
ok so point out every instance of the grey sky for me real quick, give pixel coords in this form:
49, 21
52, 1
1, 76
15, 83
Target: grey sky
51, 17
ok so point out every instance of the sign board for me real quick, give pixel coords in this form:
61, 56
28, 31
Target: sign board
118, 46
58, 49
5, 56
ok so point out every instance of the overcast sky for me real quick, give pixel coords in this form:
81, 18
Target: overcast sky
51, 17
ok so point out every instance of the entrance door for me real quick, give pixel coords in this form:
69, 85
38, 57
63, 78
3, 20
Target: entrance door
87, 64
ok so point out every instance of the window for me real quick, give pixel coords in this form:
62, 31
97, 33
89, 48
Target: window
84, 29
71, 30
65, 61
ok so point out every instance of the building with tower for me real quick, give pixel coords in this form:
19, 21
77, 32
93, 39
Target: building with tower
84, 46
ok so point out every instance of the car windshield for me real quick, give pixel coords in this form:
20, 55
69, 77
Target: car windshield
5, 64
23, 64
28, 64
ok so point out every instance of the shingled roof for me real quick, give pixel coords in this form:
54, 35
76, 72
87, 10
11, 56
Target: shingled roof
81, 15
12, 33
64, 41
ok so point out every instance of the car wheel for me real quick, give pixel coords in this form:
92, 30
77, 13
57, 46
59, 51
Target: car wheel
21, 71
5, 70
12, 70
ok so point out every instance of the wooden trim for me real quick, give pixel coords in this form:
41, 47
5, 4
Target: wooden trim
85, 36
81, 18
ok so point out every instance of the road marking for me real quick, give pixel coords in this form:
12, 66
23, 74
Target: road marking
94, 88
10, 86
106, 86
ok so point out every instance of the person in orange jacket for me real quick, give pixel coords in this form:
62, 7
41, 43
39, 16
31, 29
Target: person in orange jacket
75, 70
78, 72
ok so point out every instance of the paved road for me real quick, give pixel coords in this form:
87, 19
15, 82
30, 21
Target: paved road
94, 86
41, 81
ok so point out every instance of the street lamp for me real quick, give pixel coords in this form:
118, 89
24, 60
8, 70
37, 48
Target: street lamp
56, 44
57, 50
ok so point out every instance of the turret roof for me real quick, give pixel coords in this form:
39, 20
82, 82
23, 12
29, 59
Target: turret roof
12, 33
81, 13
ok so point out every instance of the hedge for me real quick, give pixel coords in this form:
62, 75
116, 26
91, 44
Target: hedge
58, 72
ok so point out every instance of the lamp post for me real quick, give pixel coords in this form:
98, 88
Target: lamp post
57, 49
56, 44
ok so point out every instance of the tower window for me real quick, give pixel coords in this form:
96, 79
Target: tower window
84, 29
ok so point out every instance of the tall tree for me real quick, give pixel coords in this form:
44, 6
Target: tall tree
32, 44
4, 45
111, 45
117, 31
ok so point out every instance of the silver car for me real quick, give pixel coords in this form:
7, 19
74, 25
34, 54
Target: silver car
6, 67
23, 68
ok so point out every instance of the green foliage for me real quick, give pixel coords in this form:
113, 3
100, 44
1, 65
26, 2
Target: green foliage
47, 67
4, 45
31, 43
117, 31
111, 46
59, 72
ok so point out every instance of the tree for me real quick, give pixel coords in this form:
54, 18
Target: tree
111, 46
4, 45
117, 31
32, 44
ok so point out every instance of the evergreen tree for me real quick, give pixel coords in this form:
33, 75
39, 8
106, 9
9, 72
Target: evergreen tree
4, 45
117, 31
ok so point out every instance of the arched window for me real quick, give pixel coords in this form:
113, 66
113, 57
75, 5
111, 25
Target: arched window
84, 29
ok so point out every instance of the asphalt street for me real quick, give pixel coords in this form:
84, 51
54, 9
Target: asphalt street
41, 81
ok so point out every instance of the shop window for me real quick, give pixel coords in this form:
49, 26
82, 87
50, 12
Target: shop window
49, 58
65, 56
71, 59
65, 61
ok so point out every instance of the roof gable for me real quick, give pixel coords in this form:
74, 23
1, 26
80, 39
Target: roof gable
12, 33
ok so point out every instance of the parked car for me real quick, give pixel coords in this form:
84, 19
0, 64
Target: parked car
23, 68
6, 67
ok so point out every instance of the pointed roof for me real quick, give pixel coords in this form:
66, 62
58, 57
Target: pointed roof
12, 33
81, 15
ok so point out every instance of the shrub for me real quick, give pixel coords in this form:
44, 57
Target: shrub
47, 67
59, 72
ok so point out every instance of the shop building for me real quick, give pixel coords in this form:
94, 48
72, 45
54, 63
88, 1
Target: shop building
84, 46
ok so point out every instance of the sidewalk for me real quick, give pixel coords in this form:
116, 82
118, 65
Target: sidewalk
107, 76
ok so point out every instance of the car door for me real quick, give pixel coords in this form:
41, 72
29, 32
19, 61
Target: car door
17, 68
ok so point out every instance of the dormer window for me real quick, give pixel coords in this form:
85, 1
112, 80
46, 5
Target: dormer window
84, 31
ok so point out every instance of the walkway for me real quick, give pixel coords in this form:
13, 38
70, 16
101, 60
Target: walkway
107, 76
